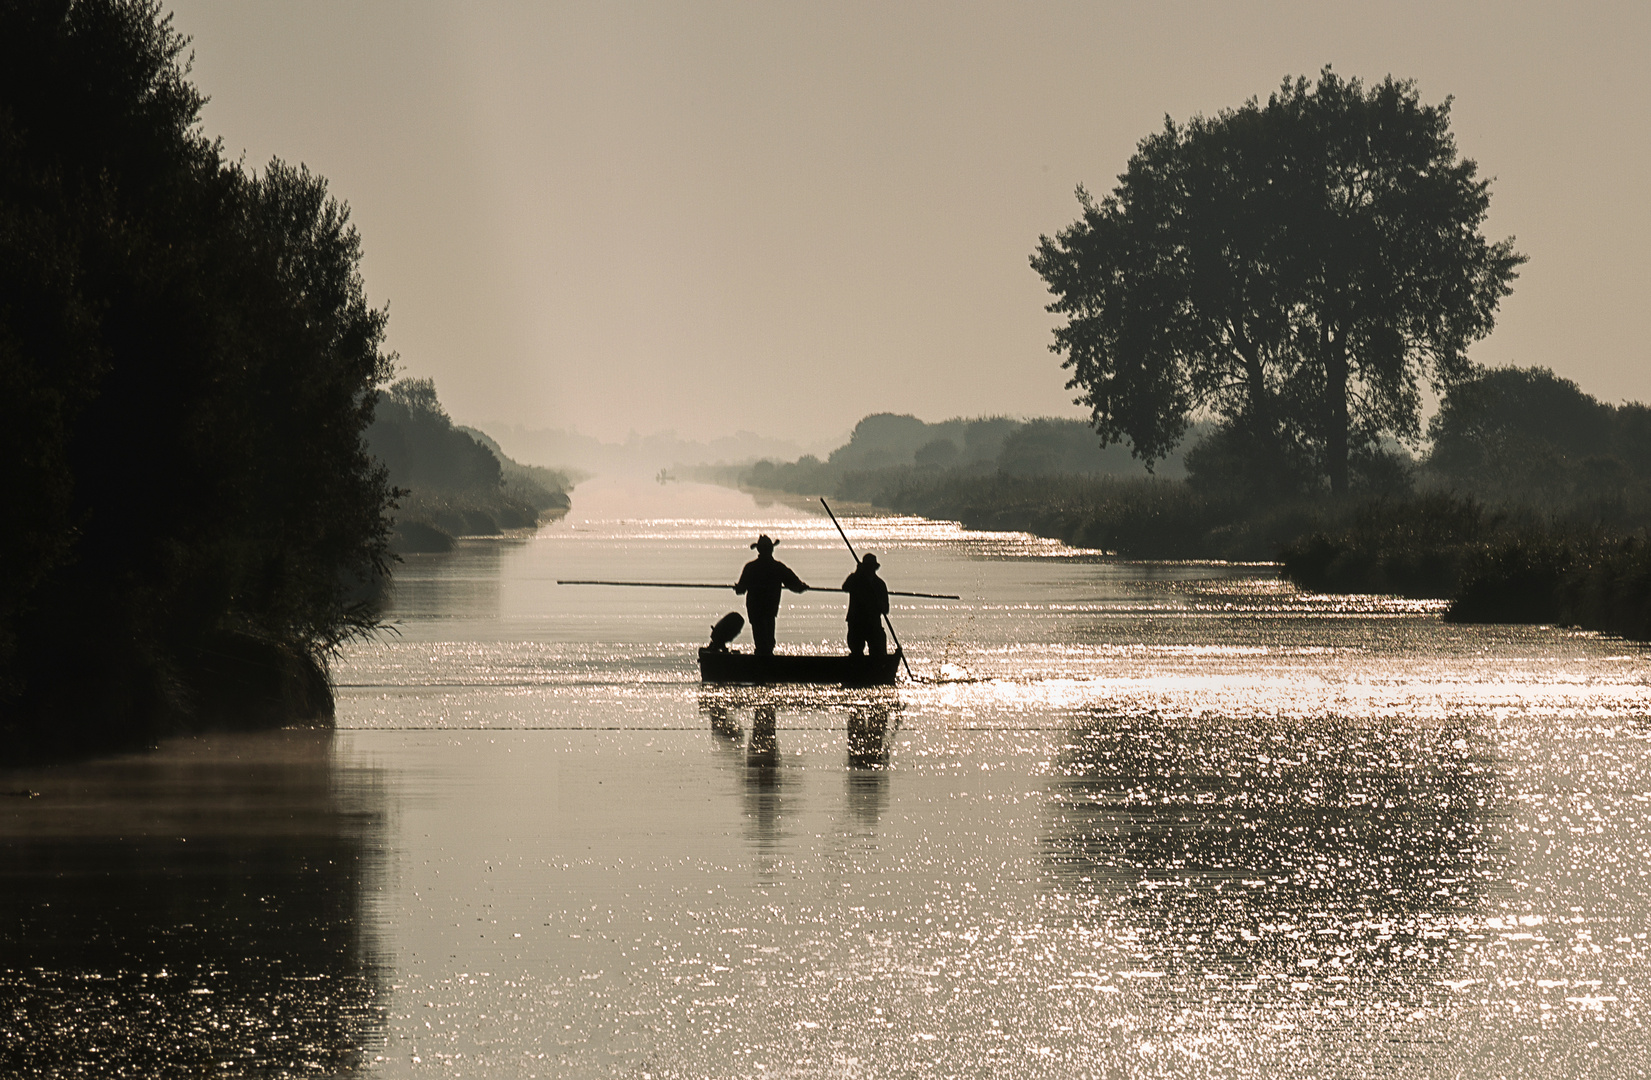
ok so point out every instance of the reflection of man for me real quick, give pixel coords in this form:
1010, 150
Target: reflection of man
760, 582
868, 602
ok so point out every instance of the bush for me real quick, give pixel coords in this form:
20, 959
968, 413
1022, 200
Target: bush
1413, 547
1514, 580
1610, 590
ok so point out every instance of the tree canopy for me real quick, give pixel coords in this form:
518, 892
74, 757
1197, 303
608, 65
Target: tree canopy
1292, 269
187, 365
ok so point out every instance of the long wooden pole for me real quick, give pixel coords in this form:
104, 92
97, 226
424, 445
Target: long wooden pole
888, 621
701, 585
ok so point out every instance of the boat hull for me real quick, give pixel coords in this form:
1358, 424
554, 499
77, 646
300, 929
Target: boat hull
728, 666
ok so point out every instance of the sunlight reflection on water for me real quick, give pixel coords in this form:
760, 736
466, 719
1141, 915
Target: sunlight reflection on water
1162, 819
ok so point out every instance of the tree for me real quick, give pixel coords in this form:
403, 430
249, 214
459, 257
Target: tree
188, 363
1507, 420
1293, 270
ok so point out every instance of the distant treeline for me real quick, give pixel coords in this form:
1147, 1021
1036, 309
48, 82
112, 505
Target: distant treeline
1530, 505
894, 445
452, 481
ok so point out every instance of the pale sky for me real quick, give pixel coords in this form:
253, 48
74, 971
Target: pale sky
779, 217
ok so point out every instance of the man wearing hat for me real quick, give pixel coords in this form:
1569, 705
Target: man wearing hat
760, 583
868, 602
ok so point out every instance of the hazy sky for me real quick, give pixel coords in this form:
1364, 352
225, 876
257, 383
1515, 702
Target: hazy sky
782, 216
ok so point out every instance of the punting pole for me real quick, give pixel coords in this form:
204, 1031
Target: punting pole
886, 619
702, 585
648, 584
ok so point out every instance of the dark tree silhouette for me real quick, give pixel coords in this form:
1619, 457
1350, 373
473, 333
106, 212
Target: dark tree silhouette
1294, 268
187, 366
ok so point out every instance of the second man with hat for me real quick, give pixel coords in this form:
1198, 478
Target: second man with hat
868, 602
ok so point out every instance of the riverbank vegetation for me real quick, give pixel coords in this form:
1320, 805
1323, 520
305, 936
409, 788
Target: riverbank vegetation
1538, 511
453, 481
1531, 504
188, 367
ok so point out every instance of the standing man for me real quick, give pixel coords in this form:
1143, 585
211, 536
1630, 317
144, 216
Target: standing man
868, 602
760, 583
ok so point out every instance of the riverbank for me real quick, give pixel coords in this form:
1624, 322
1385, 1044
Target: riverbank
1138, 518
1133, 518
432, 522
1493, 565
452, 481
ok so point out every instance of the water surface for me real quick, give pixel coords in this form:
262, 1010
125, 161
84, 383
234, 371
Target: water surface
1134, 819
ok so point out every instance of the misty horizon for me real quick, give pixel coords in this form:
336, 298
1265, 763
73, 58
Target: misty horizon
734, 217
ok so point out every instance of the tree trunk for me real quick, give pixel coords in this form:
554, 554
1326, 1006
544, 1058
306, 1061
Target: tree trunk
1335, 400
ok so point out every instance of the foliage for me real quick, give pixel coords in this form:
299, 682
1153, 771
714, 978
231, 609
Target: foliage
451, 481
1610, 590
1414, 547
1507, 566
1140, 517
1293, 269
897, 439
539, 487
187, 367
1514, 578
1043, 446
1525, 435
417, 442
1048, 446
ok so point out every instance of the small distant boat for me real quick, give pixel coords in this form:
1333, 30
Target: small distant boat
729, 666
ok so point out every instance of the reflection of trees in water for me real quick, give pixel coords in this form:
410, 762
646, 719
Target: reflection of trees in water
463, 582
198, 910
1354, 843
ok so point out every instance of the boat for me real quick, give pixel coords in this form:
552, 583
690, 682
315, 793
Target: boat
731, 666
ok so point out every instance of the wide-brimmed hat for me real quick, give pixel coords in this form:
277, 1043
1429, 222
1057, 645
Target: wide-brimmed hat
765, 543
869, 560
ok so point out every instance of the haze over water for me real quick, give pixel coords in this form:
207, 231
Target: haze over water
1137, 819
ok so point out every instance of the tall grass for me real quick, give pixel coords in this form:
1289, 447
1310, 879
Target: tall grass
1501, 566
1142, 518
1494, 564
1415, 547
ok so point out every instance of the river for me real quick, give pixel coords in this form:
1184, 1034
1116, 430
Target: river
1131, 819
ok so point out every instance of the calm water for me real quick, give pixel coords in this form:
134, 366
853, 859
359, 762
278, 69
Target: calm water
1134, 820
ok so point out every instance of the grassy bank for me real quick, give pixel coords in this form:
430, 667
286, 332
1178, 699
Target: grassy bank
1139, 518
1494, 566
1135, 517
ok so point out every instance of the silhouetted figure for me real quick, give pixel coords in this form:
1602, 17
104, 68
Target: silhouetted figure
760, 582
868, 602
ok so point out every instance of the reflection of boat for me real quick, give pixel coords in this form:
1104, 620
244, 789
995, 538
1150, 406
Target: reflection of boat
729, 666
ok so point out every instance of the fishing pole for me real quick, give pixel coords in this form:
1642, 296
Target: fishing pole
703, 585
890, 622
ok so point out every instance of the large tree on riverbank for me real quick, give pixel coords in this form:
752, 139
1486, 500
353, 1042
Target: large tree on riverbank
1294, 268
187, 365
